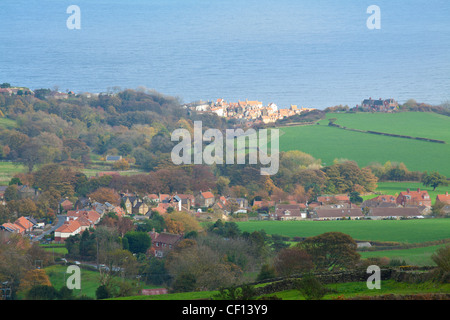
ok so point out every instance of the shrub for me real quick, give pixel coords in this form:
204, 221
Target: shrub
310, 287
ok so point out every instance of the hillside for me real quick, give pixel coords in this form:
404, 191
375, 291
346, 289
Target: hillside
330, 143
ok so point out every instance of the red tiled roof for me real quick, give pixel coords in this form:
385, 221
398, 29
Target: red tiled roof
443, 198
24, 223
69, 226
207, 195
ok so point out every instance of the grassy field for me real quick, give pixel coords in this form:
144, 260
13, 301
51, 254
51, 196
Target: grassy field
8, 170
404, 231
415, 124
329, 143
90, 280
414, 256
340, 290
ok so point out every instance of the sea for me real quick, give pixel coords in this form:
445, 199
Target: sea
309, 53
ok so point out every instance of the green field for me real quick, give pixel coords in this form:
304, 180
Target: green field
330, 143
415, 124
413, 256
404, 231
8, 170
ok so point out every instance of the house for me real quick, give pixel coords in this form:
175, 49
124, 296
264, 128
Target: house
333, 199
140, 208
82, 203
69, 228
387, 105
204, 199
337, 212
66, 205
161, 208
263, 203
153, 197
288, 214
27, 192
113, 158
2, 191
394, 213
419, 197
22, 225
163, 242
12, 227
134, 205
91, 215
445, 198
381, 201
26, 224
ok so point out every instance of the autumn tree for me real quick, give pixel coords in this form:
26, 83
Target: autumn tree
331, 250
103, 195
34, 278
291, 261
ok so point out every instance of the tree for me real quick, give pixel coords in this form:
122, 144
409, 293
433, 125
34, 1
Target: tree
266, 272
139, 242
442, 258
103, 195
291, 261
355, 197
42, 292
310, 287
331, 250
435, 179
34, 278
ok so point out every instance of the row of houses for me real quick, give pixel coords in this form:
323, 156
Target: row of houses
22, 225
407, 205
76, 222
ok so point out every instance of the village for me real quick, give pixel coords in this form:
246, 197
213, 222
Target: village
85, 213
255, 112
248, 112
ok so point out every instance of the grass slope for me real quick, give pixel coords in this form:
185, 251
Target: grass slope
405, 231
329, 143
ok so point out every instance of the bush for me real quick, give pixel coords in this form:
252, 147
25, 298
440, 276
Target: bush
310, 287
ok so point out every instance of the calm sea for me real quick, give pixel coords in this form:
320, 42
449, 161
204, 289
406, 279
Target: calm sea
313, 53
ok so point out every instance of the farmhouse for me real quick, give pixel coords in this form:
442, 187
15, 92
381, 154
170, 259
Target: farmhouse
445, 198
113, 158
380, 105
163, 242
21, 225
337, 212
288, 214
333, 199
395, 213
69, 228
204, 199
381, 201
66, 205
419, 197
